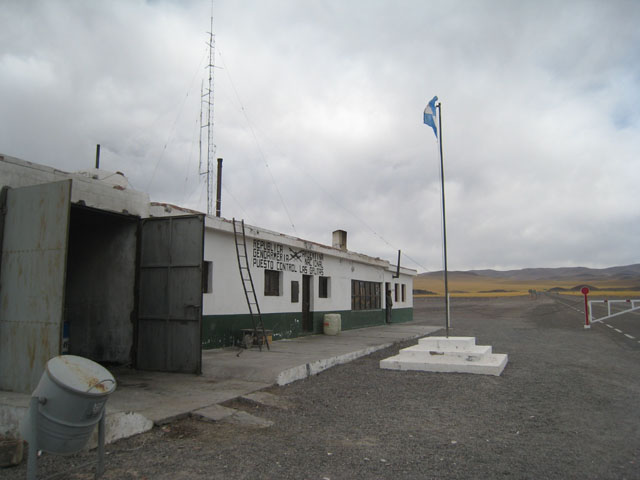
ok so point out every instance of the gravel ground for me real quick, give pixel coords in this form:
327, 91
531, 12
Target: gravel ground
566, 406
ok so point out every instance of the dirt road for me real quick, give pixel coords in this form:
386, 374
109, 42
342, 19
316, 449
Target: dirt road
566, 406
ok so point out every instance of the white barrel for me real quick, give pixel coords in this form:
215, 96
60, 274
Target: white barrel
73, 392
332, 323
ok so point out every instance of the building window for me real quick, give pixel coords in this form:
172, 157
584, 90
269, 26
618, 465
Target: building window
271, 283
395, 293
323, 287
404, 292
295, 291
207, 277
365, 295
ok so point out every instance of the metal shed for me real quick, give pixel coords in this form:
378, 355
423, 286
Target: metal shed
109, 286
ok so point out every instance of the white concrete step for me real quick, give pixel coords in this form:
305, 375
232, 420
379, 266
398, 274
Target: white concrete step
473, 352
452, 354
490, 365
450, 343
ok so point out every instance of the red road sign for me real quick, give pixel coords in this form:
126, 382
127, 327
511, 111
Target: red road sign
585, 290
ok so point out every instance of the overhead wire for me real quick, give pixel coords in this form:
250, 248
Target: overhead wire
245, 214
257, 142
306, 173
185, 195
173, 127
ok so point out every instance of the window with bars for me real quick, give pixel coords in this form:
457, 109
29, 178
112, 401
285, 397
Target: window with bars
323, 287
271, 283
365, 295
207, 277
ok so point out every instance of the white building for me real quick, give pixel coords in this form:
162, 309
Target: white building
91, 267
297, 282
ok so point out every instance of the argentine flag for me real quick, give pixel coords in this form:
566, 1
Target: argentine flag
430, 115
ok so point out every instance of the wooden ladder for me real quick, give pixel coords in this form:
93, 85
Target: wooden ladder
258, 335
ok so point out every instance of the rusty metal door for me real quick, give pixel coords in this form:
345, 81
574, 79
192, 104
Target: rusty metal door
32, 281
170, 294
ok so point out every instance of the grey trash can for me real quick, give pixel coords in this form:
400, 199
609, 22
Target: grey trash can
73, 392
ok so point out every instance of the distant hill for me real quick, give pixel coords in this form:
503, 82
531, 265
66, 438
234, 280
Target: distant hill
564, 279
624, 273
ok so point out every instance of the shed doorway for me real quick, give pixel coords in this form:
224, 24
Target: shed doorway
100, 285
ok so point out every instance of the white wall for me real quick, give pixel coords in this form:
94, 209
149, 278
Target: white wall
405, 278
293, 258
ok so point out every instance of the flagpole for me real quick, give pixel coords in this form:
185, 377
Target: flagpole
444, 223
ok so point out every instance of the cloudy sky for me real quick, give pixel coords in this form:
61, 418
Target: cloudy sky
318, 115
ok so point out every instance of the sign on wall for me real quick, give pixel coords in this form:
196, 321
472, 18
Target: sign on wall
275, 256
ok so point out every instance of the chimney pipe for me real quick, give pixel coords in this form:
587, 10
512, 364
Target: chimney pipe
340, 240
98, 156
219, 188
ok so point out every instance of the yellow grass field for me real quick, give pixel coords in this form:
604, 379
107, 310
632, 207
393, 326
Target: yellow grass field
469, 285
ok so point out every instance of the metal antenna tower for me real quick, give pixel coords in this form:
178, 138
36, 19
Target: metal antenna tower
206, 101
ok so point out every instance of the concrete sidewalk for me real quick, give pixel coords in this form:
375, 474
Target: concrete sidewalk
143, 399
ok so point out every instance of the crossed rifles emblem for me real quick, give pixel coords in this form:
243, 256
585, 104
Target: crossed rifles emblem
296, 255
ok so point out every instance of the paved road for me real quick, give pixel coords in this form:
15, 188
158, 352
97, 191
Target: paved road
565, 407
624, 328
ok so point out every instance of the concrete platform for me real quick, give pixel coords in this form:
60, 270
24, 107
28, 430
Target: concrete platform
475, 352
143, 399
448, 355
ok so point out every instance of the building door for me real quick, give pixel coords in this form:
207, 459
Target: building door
34, 235
170, 294
388, 302
307, 318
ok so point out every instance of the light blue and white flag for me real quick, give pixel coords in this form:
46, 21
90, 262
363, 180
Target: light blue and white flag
430, 115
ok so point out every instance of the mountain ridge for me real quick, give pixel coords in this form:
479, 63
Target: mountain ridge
621, 273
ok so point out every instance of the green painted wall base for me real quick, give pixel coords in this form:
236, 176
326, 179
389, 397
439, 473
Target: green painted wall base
225, 330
